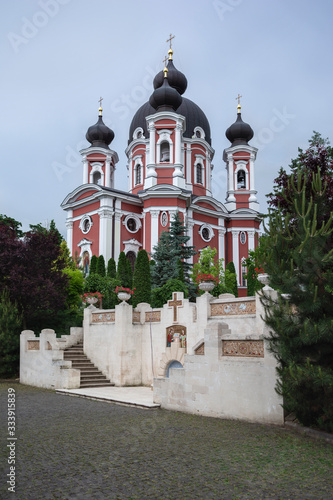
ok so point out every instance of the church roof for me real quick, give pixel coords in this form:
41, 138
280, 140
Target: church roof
194, 116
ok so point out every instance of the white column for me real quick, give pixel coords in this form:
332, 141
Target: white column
250, 235
69, 226
208, 174
151, 175
85, 171
131, 172
152, 143
188, 165
222, 232
105, 232
178, 143
108, 172
154, 228
117, 232
235, 251
231, 200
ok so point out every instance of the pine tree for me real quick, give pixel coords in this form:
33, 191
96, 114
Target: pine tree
298, 258
172, 247
141, 279
111, 272
231, 278
100, 266
93, 265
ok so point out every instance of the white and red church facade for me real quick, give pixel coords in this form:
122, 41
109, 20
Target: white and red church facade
170, 169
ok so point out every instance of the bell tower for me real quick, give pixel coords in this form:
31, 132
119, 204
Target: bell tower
240, 158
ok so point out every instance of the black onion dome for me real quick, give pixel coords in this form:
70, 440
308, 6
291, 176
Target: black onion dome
239, 132
99, 134
194, 116
176, 78
165, 98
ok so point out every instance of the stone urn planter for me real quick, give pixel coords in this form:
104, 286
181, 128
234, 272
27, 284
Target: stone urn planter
263, 278
123, 296
92, 300
206, 286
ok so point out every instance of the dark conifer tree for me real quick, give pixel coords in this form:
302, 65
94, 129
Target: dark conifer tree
100, 266
298, 258
141, 279
111, 272
93, 265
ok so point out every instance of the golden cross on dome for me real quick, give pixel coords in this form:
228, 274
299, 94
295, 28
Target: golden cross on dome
165, 60
238, 97
170, 39
100, 105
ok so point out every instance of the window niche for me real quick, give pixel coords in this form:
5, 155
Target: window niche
199, 169
241, 179
165, 151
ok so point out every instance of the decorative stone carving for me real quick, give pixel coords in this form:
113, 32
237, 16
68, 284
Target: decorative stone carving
233, 308
33, 345
136, 317
103, 317
243, 348
154, 316
200, 350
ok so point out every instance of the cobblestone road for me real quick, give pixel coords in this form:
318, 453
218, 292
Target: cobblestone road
73, 448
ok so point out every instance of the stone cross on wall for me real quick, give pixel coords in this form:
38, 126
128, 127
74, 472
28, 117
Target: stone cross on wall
175, 303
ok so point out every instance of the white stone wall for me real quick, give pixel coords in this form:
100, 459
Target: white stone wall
222, 386
42, 361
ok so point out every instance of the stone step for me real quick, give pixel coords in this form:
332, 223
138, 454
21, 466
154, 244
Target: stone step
90, 375
96, 384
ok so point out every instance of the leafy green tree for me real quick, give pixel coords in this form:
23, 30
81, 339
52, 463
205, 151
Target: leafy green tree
75, 287
13, 224
93, 265
251, 281
141, 279
10, 329
231, 278
100, 266
111, 271
298, 258
162, 294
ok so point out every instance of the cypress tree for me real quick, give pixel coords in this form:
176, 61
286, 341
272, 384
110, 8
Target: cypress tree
101, 266
111, 272
231, 278
129, 272
93, 265
142, 279
10, 329
123, 271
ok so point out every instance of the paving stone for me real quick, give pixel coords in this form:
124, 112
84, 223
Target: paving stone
73, 448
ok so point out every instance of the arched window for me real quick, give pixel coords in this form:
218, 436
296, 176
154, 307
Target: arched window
199, 173
165, 151
244, 272
138, 174
241, 179
97, 178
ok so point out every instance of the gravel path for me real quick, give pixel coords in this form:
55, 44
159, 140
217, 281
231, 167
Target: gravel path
73, 448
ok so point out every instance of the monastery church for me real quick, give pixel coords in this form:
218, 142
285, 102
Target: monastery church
170, 168
207, 357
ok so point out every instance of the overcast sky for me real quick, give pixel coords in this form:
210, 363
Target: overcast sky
60, 56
